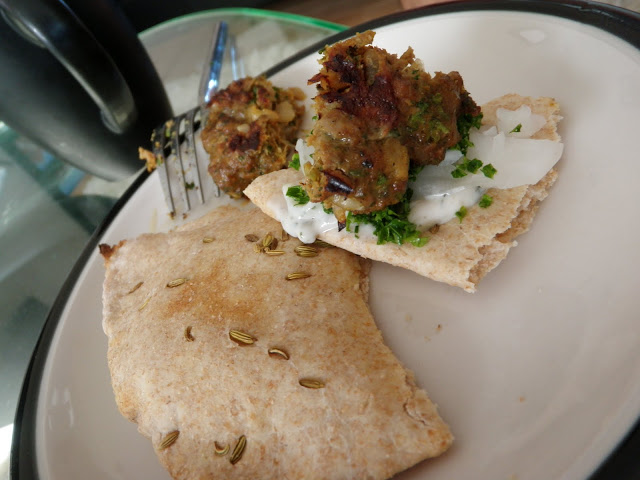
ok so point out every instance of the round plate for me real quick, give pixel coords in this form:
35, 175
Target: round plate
536, 373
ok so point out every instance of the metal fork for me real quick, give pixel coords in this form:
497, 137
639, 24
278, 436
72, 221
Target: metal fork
181, 160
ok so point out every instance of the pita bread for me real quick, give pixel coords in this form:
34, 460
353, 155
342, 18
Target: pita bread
175, 368
459, 253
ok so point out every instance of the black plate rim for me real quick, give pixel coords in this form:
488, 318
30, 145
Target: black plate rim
621, 463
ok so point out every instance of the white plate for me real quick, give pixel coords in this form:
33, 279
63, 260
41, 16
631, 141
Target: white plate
537, 373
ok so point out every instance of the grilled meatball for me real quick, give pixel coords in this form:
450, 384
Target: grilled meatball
377, 115
250, 131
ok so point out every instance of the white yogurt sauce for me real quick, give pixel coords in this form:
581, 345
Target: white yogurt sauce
430, 210
518, 159
437, 195
303, 221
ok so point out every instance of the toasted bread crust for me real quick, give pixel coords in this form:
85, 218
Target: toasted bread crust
369, 421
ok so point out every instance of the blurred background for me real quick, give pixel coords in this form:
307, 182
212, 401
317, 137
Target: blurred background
353, 12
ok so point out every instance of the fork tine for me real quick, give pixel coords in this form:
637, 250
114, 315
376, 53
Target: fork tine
158, 142
179, 164
201, 158
176, 144
192, 153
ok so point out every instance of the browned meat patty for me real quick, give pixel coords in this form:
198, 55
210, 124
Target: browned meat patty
250, 130
377, 115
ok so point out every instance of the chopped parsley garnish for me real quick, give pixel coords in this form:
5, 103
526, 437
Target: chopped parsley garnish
418, 117
473, 166
326, 210
458, 172
391, 225
295, 161
189, 185
414, 171
485, 201
298, 194
461, 213
465, 123
517, 128
489, 171
467, 166
441, 127
425, 114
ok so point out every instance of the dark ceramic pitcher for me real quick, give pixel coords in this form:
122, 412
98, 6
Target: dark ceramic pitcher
75, 79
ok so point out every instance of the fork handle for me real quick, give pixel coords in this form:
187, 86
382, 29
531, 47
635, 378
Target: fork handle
210, 79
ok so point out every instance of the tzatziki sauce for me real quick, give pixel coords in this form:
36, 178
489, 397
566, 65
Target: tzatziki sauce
303, 221
437, 195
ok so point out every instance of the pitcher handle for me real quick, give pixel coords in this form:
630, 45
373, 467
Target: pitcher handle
57, 28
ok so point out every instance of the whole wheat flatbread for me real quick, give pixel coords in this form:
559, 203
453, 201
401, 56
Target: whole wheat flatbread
369, 421
459, 253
